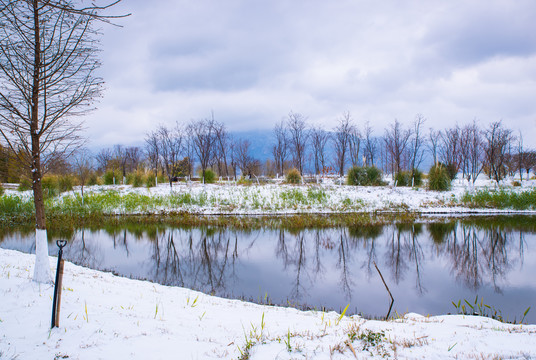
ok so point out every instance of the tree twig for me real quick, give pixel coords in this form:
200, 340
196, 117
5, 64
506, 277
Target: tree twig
389, 291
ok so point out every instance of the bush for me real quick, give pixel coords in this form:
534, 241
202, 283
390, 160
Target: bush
162, 179
374, 176
438, 178
356, 176
417, 177
93, 179
150, 181
365, 176
293, 177
50, 186
210, 176
65, 183
108, 178
1, 190
403, 178
136, 179
516, 183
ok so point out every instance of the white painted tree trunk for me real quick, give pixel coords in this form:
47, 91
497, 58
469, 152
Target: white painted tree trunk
42, 272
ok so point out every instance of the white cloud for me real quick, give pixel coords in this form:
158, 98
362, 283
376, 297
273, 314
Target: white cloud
251, 62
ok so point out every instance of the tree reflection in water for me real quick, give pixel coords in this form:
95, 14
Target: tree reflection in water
479, 254
304, 266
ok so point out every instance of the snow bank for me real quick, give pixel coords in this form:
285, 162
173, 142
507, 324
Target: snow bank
107, 317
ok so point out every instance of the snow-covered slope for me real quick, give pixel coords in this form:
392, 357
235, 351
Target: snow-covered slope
108, 317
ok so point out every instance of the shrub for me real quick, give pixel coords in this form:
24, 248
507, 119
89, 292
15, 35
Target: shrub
417, 177
150, 181
365, 176
108, 178
293, 177
356, 176
162, 179
516, 183
438, 178
65, 183
210, 176
374, 176
403, 178
1, 190
138, 178
50, 186
93, 179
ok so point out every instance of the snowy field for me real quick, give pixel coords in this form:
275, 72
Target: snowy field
108, 317
279, 198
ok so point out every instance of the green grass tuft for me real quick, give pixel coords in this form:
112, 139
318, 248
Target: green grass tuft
502, 199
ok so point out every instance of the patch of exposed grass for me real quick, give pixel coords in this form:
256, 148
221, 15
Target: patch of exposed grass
502, 199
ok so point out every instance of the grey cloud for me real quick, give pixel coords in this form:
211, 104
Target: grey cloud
252, 61
475, 32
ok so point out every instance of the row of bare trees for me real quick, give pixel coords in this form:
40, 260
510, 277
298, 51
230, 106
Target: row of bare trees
470, 149
205, 142
175, 151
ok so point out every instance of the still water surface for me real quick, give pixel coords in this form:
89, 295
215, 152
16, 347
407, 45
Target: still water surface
427, 264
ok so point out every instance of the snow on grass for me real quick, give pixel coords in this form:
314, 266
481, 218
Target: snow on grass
280, 198
108, 317
229, 198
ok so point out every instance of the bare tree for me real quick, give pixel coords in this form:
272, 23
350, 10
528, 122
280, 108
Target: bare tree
280, 149
417, 143
243, 155
341, 141
297, 139
529, 162
120, 155
433, 144
355, 145
48, 59
170, 150
133, 158
247, 164
222, 148
370, 145
152, 150
203, 139
83, 165
396, 141
319, 139
233, 156
471, 150
519, 158
103, 159
449, 150
497, 141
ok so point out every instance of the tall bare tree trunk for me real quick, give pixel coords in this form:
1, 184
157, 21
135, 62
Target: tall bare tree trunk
42, 272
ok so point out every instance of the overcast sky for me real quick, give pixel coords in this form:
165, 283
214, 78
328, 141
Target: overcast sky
251, 62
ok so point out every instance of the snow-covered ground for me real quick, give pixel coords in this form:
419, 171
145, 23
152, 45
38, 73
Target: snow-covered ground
108, 317
279, 198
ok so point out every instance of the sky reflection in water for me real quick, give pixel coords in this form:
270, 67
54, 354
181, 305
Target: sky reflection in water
426, 265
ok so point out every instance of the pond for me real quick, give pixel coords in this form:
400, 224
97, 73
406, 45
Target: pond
427, 264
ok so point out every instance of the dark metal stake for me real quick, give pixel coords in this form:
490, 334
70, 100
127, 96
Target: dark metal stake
57, 287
